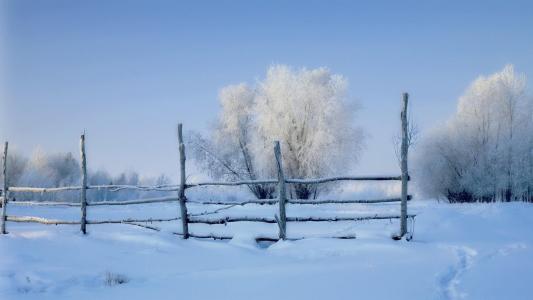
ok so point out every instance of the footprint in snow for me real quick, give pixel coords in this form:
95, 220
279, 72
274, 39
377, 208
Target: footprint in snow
450, 280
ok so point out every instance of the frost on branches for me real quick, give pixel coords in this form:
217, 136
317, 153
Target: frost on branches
485, 152
306, 110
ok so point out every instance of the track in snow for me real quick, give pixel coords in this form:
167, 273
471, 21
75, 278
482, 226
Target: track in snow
450, 280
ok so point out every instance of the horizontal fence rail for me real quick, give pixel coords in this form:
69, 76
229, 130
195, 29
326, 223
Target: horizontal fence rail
343, 178
43, 190
174, 188
44, 203
360, 201
186, 218
225, 220
111, 188
300, 201
29, 219
233, 183
269, 238
209, 202
117, 188
139, 201
131, 220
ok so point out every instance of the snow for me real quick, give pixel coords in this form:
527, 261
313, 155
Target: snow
471, 251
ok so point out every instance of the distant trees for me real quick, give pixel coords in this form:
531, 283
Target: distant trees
485, 152
63, 169
60, 169
43, 170
306, 110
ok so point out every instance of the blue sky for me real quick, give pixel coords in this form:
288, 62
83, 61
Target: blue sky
128, 71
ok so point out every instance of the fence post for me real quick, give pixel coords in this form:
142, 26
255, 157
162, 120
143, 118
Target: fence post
282, 220
182, 198
405, 174
83, 193
6, 190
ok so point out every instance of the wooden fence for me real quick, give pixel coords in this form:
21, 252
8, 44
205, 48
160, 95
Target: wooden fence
282, 201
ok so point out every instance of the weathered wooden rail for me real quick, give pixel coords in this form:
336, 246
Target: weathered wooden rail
186, 218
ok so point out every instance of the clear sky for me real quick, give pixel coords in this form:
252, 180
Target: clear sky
128, 71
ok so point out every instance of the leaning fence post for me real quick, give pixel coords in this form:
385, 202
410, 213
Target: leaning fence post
83, 194
405, 174
5, 192
282, 220
182, 198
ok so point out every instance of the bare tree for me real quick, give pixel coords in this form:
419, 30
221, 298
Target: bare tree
227, 153
412, 136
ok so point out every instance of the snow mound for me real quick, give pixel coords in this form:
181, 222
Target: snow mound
244, 240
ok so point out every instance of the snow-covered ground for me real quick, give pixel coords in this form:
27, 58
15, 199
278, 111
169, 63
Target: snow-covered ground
458, 252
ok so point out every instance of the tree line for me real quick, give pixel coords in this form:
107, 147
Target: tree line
484, 152
43, 169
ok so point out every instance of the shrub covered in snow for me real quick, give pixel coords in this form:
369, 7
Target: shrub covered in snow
112, 279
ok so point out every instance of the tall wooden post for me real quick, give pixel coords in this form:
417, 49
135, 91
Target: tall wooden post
6, 191
405, 173
182, 198
83, 194
282, 196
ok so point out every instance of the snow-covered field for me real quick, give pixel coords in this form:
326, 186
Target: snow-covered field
458, 252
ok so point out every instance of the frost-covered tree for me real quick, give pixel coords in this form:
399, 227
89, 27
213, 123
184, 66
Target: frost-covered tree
228, 153
484, 152
306, 110
51, 170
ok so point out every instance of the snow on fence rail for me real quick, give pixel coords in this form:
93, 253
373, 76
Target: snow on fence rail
280, 219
